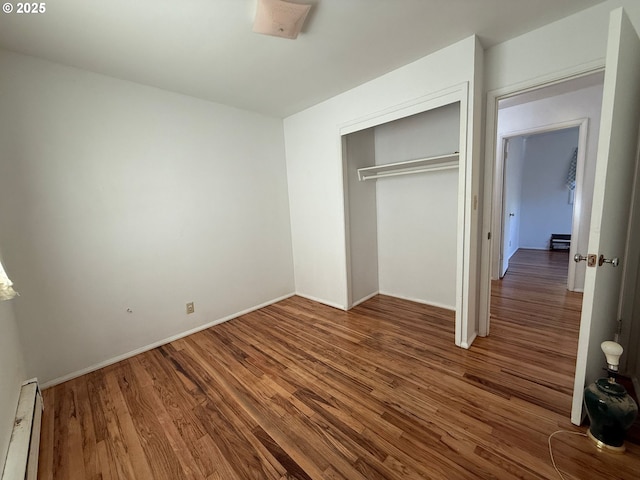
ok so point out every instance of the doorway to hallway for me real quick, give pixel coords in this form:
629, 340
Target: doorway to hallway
532, 309
533, 312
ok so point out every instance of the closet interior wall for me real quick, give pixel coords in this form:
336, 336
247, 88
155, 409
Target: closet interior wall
402, 230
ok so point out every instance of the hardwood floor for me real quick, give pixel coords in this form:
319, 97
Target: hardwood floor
535, 322
298, 390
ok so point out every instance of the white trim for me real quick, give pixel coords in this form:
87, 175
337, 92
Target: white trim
465, 169
319, 300
535, 83
31, 380
438, 99
364, 299
159, 343
410, 299
467, 345
498, 253
347, 223
22, 455
423, 302
551, 127
578, 202
498, 195
454, 94
489, 175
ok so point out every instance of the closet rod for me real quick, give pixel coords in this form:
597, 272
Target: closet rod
429, 164
408, 172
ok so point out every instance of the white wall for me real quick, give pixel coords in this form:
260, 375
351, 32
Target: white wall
314, 162
512, 198
12, 374
572, 43
583, 103
114, 195
545, 197
362, 223
417, 214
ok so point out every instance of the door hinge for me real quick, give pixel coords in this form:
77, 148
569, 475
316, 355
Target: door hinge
489, 236
616, 337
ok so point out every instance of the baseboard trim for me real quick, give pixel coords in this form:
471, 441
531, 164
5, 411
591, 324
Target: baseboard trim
466, 345
364, 299
22, 455
319, 300
159, 343
417, 300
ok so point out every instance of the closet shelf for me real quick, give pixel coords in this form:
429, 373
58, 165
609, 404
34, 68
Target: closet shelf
429, 164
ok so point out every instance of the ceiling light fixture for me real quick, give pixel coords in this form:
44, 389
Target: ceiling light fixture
280, 18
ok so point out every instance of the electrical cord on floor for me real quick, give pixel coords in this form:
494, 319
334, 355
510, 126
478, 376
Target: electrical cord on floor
553, 462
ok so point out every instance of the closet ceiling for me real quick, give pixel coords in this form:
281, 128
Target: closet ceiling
206, 49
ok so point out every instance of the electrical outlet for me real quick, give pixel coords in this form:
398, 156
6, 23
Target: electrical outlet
190, 308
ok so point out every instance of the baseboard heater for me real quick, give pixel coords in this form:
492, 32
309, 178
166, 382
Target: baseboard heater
24, 446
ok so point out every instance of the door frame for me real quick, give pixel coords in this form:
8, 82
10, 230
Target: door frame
504, 152
497, 251
489, 205
460, 93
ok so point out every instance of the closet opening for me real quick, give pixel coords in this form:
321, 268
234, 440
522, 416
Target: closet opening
402, 202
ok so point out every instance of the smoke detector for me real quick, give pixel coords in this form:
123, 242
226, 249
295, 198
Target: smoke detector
280, 18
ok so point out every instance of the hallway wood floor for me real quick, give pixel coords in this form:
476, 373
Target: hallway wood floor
535, 319
298, 390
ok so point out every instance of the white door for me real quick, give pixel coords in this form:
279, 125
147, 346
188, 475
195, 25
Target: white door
507, 225
615, 171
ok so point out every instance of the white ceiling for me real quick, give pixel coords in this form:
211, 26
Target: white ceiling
206, 49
